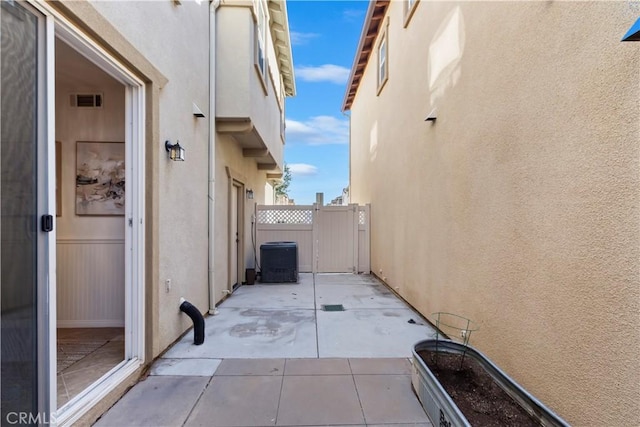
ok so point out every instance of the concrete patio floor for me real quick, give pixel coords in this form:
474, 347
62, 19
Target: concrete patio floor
273, 357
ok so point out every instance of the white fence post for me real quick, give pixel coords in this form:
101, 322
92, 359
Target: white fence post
355, 216
315, 236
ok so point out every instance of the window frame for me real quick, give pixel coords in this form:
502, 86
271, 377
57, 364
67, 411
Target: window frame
260, 42
409, 9
382, 50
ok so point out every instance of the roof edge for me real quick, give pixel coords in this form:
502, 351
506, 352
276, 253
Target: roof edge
283, 49
367, 30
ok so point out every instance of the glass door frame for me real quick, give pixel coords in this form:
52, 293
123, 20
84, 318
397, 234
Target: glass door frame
57, 26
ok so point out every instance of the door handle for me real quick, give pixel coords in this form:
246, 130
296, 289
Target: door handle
47, 223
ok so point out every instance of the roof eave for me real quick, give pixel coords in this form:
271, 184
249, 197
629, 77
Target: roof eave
375, 13
279, 26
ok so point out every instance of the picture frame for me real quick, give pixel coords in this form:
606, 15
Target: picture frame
100, 178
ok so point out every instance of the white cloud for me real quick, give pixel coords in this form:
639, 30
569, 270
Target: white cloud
318, 130
302, 169
351, 15
298, 38
324, 73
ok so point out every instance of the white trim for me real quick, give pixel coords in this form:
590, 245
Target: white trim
102, 323
135, 236
90, 241
71, 35
90, 397
50, 323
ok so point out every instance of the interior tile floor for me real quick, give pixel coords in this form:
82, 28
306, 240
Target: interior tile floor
83, 356
273, 357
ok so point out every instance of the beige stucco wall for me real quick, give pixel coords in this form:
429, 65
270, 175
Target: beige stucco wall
229, 159
175, 39
518, 208
241, 92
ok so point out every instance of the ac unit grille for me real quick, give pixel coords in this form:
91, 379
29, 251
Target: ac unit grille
86, 100
279, 262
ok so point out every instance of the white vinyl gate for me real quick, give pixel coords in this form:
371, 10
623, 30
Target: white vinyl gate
330, 239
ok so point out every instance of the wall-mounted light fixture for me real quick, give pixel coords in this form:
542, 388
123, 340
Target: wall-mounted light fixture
197, 112
432, 116
176, 152
249, 194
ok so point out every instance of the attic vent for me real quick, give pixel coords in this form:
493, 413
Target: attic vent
86, 100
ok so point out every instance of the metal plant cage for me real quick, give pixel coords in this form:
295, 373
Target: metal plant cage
453, 327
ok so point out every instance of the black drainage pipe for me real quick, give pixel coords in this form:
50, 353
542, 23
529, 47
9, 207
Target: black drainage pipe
196, 317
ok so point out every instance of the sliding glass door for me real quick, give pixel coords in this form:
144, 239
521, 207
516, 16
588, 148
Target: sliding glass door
23, 225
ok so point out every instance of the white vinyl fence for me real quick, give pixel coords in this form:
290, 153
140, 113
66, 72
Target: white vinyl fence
330, 239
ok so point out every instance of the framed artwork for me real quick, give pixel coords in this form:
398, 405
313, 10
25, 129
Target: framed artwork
58, 178
100, 175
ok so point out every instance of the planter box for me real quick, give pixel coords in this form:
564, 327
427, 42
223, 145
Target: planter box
442, 410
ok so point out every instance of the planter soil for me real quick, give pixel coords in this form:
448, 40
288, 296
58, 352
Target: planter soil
474, 391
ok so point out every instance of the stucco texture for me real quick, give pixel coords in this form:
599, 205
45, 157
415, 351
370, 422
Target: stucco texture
183, 200
229, 160
518, 207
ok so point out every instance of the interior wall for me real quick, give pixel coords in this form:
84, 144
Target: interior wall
90, 249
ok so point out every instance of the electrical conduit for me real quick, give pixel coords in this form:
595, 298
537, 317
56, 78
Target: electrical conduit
213, 6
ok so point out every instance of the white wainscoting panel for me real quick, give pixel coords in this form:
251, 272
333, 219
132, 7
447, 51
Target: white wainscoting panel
90, 283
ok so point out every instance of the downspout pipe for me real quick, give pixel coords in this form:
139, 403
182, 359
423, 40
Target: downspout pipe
213, 6
197, 319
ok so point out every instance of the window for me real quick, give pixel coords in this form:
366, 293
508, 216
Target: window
409, 8
283, 125
383, 61
261, 39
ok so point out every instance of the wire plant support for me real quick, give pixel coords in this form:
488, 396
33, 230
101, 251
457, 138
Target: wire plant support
454, 327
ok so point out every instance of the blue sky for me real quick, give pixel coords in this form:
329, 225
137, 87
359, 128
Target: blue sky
324, 37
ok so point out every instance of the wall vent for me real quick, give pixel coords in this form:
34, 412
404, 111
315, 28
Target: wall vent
86, 100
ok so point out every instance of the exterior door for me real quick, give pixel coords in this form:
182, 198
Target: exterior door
234, 236
25, 248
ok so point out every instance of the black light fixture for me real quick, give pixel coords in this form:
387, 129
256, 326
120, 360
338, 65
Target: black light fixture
249, 194
176, 152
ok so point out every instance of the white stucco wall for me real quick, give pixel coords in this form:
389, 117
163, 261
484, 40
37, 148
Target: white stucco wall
518, 207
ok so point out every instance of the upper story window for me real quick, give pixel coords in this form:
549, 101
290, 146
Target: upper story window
383, 60
409, 8
261, 39
282, 113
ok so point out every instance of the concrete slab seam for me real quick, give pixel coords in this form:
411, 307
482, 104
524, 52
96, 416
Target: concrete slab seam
355, 386
197, 400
